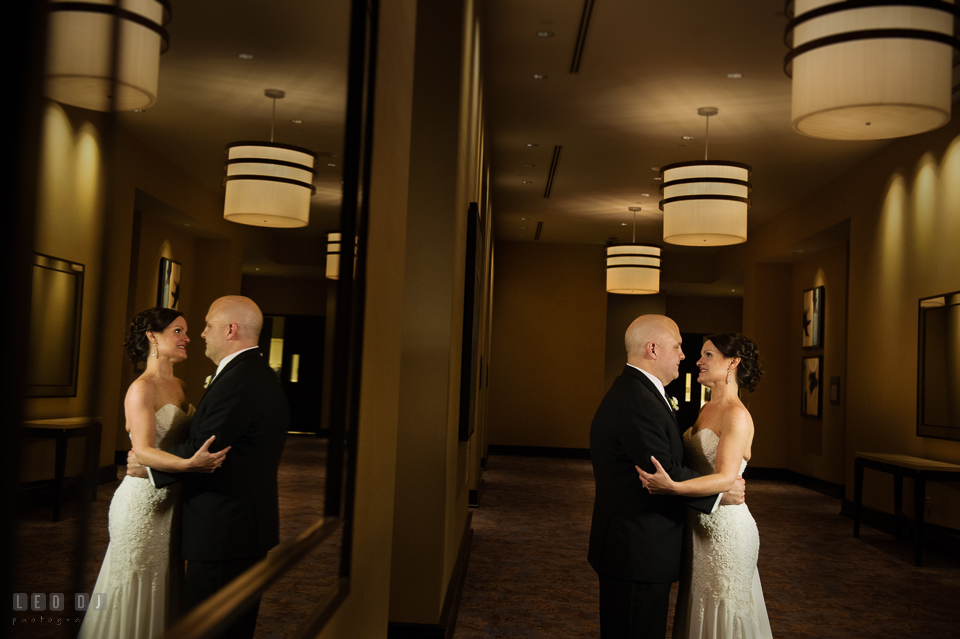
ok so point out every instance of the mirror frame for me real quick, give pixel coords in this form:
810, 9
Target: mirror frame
937, 431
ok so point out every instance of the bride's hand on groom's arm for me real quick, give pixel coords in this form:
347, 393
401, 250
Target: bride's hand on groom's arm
203, 461
658, 483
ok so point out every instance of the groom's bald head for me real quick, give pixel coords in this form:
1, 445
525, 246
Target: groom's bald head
233, 324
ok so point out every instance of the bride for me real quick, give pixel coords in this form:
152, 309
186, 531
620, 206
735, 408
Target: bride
141, 572
720, 595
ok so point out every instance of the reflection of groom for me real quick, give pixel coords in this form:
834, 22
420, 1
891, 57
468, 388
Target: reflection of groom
231, 517
635, 537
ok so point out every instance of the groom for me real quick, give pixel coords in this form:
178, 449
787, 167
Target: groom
231, 517
635, 537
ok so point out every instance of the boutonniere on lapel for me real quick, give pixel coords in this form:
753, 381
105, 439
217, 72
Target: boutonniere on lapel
207, 381
674, 404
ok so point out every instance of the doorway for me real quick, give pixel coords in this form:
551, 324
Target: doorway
294, 347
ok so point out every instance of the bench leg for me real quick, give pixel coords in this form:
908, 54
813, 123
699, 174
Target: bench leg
898, 503
919, 504
857, 494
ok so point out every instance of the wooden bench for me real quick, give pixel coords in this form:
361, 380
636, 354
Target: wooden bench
920, 470
61, 430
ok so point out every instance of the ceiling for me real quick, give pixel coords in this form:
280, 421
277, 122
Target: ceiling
644, 68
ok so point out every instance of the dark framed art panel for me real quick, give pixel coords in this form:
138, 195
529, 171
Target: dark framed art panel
168, 288
811, 392
938, 367
472, 290
813, 299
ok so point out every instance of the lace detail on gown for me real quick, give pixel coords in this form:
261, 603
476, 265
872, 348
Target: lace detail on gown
142, 572
722, 599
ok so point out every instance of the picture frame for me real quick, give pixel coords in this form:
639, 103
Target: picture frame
168, 288
811, 387
813, 300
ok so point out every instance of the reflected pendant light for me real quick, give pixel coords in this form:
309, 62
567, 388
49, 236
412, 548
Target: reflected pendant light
705, 203
269, 184
333, 256
870, 69
334, 250
80, 60
633, 269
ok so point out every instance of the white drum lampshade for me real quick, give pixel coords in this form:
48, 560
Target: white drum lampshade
633, 269
705, 203
870, 70
268, 184
80, 66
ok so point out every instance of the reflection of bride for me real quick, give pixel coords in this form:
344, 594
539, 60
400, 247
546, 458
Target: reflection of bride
137, 592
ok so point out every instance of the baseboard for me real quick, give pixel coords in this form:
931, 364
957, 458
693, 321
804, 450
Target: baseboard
539, 451
939, 539
445, 626
474, 500
830, 489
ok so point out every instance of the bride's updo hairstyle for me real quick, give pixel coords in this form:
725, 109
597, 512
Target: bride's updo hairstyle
737, 345
154, 319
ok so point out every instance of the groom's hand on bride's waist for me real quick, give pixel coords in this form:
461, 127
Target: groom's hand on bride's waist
134, 468
736, 496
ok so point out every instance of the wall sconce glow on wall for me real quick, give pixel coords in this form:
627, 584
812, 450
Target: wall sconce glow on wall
269, 184
80, 65
870, 70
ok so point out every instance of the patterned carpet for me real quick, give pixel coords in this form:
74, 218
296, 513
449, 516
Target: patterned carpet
529, 578
45, 550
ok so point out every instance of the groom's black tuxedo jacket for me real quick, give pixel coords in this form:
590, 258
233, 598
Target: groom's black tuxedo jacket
233, 513
635, 535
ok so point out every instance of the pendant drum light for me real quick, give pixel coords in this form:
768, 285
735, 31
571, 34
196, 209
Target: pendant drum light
633, 269
269, 184
705, 203
80, 57
870, 69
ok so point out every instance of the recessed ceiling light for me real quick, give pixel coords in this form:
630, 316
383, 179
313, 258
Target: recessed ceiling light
527, 182
654, 168
735, 75
644, 195
296, 121
529, 164
523, 218
686, 137
658, 179
539, 76
245, 56
532, 145
544, 34
139, 110
330, 164
623, 223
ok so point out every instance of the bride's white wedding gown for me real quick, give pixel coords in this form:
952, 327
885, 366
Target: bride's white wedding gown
142, 573
720, 595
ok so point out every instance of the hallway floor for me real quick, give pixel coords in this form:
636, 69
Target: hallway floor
528, 575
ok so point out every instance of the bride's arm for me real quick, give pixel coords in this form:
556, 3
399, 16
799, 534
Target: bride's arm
138, 407
735, 430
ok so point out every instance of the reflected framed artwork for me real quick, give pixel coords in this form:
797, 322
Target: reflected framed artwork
168, 289
813, 317
811, 393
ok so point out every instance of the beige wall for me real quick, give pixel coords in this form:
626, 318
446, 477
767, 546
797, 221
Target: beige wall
549, 344
901, 206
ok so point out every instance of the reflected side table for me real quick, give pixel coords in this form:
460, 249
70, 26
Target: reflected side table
61, 430
920, 470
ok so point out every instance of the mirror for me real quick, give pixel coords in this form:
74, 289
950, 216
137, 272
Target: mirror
938, 376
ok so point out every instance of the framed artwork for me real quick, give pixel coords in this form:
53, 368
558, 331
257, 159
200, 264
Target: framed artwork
813, 317
811, 393
168, 290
